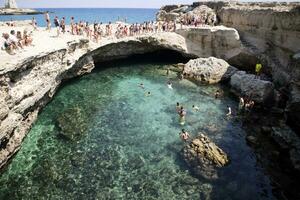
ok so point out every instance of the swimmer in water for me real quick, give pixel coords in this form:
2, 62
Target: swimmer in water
182, 114
217, 94
148, 94
229, 111
177, 107
170, 85
184, 135
142, 86
196, 108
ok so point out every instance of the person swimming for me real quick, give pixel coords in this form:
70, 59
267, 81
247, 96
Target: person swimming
177, 107
217, 94
148, 94
170, 85
182, 114
229, 111
196, 108
142, 86
184, 135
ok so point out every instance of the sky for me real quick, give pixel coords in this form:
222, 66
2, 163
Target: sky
100, 3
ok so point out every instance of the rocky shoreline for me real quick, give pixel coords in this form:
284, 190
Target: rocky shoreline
19, 11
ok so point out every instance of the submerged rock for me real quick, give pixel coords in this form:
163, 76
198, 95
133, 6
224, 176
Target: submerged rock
205, 157
260, 91
73, 123
209, 70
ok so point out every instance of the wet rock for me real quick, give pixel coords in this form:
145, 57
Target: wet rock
293, 107
73, 123
205, 157
260, 91
288, 141
252, 140
209, 70
266, 129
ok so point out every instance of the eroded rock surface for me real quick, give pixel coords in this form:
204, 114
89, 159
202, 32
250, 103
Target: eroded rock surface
205, 157
260, 91
208, 70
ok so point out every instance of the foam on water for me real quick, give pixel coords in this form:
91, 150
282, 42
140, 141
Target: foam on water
129, 147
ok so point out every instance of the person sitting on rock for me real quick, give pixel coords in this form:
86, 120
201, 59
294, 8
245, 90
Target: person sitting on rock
184, 135
8, 45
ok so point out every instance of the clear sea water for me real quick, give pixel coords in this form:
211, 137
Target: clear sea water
105, 15
127, 145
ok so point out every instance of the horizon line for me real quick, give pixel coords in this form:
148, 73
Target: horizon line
92, 7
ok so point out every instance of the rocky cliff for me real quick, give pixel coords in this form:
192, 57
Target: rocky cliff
269, 34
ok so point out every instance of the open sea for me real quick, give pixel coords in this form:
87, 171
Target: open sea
105, 15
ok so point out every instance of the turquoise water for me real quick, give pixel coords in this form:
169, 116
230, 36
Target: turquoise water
125, 145
132, 15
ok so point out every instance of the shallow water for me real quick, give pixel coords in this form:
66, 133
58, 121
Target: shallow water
127, 144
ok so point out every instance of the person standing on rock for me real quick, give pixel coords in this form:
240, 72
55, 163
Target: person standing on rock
48, 22
34, 24
57, 25
184, 136
258, 69
241, 104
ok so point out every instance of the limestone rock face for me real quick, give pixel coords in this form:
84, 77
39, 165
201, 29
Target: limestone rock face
179, 13
208, 70
203, 12
260, 91
217, 41
205, 157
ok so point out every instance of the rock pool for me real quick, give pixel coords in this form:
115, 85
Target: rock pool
119, 143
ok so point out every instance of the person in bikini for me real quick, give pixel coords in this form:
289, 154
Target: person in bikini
184, 136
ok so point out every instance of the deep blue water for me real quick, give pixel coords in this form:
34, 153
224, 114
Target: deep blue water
104, 15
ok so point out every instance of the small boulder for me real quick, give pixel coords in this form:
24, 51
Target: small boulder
208, 70
251, 140
205, 157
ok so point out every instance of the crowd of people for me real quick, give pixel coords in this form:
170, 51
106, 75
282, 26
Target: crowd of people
200, 20
16, 41
96, 31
